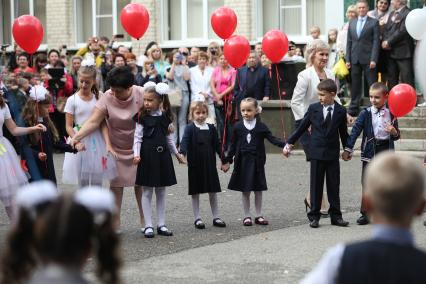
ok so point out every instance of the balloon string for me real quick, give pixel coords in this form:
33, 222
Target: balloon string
281, 100
225, 109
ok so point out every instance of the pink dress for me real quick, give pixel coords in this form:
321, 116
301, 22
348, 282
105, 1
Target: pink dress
119, 119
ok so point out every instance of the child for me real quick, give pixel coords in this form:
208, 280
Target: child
327, 120
152, 146
71, 230
248, 152
332, 56
36, 149
200, 143
12, 175
379, 131
390, 256
92, 166
19, 259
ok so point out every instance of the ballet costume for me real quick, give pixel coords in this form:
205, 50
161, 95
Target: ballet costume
153, 144
93, 165
12, 174
200, 143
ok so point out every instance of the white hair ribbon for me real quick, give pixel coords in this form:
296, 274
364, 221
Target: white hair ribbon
38, 93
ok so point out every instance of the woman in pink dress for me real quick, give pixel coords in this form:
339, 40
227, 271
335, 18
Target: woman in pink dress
117, 107
222, 83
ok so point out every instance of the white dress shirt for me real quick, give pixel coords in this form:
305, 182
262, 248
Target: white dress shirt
203, 126
380, 119
325, 110
137, 140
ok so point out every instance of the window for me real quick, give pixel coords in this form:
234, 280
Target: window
98, 18
188, 19
294, 17
11, 9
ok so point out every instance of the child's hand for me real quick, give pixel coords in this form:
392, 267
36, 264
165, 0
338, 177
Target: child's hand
39, 128
79, 146
287, 150
42, 156
346, 156
111, 151
350, 119
391, 129
225, 167
171, 129
180, 158
136, 160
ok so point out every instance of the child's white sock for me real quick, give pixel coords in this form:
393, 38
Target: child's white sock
160, 194
213, 204
196, 205
246, 203
146, 205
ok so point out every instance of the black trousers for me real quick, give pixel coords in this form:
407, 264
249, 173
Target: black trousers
358, 72
400, 68
330, 170
377, 149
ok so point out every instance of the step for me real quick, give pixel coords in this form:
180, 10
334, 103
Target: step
403, 145
418, 111
408, 133
412, 122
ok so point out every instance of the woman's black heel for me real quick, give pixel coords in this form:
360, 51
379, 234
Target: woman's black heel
307, 205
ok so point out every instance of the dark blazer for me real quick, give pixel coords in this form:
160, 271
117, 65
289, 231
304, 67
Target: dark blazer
262, 83
364, 124
324, 142
400, 42
365, 48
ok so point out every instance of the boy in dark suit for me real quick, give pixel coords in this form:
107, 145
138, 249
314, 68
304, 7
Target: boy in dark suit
394, 197
379, 131
327, 120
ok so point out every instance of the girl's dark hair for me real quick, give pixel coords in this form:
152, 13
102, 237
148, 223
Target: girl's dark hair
67, 233
165, 104
52, 51
18, 259
121, 77
256, 106
119, 55
90, 71
1, 101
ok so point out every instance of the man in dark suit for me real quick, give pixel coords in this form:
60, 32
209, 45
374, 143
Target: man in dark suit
362, 53
400, 45
252, 81
327, 120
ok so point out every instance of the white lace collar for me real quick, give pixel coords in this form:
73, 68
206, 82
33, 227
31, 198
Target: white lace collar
249, 124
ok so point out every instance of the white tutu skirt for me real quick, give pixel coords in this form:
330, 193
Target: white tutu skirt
92, 166
12, 175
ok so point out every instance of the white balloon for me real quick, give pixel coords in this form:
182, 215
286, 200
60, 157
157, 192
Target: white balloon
416, 23
420, 63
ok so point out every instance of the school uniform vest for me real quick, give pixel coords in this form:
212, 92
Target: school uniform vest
378, 261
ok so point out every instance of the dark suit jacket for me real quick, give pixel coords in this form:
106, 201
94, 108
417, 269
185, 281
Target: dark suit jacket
262, 83
401, 43
324, 142
365, 48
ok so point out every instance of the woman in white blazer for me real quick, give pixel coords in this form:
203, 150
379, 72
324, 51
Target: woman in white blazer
305, 93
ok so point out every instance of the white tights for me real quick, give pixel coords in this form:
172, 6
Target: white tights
213, 205
160, 193
257, 203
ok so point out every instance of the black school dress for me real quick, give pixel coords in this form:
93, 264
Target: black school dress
201, 146
156, 166
250, 158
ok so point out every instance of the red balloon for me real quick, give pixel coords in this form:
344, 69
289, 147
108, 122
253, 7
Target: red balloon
28, 33
236, 50
275, 45
135, 20
402, 99
224, 22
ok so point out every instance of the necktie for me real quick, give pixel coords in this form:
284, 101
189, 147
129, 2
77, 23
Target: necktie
327, 120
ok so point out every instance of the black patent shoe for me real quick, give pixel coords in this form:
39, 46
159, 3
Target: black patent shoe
164, 231
199, 224
217, 222
148, 232
314, 224
363, 220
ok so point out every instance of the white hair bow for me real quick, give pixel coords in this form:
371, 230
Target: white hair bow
35, 193
160, 88
88, 62
97, 200
38, 93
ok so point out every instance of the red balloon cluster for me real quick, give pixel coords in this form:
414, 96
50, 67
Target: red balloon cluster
224, 22
135, 20
275, 45
28, 33
236, 50
402, 99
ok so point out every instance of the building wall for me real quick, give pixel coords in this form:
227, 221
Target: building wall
59, 23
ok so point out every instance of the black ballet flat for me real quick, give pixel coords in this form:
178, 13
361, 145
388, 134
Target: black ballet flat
217, 222
199, 224
148, 234
165, 232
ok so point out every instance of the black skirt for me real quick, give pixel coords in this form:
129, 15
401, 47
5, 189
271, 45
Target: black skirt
248, 175
202, 173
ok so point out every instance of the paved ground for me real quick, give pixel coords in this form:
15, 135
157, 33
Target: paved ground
279, 253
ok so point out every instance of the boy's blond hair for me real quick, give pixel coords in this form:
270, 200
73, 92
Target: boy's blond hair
395, 186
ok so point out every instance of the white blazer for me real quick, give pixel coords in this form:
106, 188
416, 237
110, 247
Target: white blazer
201, 83
305, 92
